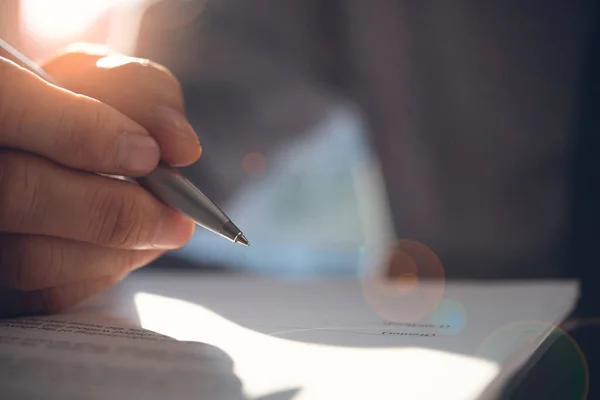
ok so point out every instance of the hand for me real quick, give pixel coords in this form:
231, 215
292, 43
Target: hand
65, 232
142, 90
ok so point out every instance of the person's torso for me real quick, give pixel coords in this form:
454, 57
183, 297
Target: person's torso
472, 108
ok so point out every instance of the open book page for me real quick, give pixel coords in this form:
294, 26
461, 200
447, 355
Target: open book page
283, 340
80, 358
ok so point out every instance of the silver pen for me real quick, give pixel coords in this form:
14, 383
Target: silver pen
164, 182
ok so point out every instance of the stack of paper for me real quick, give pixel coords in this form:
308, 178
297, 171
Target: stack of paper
239, 337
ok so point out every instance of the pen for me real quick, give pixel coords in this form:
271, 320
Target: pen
164, 182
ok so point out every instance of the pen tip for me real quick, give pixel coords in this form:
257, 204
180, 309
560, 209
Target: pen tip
241, 239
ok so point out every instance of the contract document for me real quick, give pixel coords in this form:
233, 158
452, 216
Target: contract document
187, 335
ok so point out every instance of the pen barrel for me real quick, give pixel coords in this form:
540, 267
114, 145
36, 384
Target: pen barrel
168, 185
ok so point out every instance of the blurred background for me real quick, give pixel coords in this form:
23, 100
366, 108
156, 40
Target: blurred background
313, 204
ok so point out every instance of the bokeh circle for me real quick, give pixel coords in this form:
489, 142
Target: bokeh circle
405, 282
509, 343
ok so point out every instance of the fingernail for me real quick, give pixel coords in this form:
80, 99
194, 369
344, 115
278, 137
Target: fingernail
173, 121
173, 232
137, 154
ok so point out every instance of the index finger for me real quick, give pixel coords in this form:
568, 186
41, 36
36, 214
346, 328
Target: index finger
73, 130
144, 91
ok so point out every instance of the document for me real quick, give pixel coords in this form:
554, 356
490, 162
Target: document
187, 335
60, 358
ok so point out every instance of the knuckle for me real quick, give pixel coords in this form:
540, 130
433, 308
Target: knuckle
120, 220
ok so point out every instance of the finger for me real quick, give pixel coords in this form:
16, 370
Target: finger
71, 129
52, 300
40, 197
146, 92
32, 262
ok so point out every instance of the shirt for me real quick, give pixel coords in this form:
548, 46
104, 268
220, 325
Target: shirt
472, 107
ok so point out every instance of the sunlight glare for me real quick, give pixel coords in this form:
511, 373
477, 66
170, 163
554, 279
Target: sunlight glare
63, 19
267, 364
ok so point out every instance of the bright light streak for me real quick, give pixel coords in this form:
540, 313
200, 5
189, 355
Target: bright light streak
268, 364
63, 19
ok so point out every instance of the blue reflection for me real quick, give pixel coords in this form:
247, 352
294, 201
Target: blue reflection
450, 316
309, 197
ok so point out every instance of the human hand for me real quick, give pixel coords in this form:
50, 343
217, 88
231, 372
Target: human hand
65, 232
142, 90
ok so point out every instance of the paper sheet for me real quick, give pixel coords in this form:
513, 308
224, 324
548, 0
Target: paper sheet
282, 340
52, 358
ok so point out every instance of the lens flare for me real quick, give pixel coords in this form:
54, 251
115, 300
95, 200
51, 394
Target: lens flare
563, 354
450, 316
405, 283
582, 323
254, 164
63, 19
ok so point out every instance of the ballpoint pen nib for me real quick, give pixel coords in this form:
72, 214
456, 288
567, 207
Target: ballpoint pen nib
241, 239
231, 232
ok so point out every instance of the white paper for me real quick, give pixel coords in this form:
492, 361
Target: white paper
283, 340
52, 358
